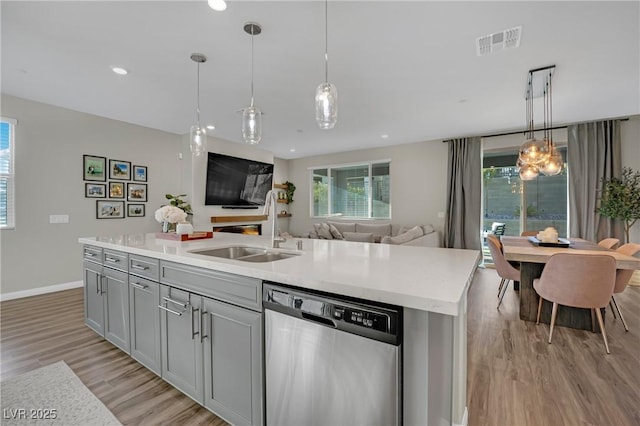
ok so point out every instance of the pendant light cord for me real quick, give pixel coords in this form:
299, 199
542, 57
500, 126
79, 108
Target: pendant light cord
326, 41
252, 32
198, 98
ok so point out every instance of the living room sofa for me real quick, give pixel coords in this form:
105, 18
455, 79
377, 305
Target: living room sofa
418, 235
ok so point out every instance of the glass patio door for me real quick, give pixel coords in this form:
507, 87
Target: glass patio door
522, 205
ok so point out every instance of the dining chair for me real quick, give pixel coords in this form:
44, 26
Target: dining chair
577, 280
506, 271
623, 276
529, 233
610, 243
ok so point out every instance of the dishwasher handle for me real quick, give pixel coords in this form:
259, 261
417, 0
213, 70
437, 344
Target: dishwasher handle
318, 319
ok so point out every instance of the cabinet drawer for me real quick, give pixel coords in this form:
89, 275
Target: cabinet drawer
235, 289
92, 254
115, 260
145, 267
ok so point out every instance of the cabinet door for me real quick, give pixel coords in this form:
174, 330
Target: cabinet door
144, 315
93, 304
116, 308
232, 342
179, 335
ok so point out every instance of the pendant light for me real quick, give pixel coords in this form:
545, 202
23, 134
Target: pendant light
535, 155
326, 93
198, 134
252, 116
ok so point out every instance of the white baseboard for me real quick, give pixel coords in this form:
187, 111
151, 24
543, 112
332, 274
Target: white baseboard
40, 290
465, 418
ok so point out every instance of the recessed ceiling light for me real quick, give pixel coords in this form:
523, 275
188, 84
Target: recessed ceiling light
210, 126
384, 136
292, 150
218, 5
119, 70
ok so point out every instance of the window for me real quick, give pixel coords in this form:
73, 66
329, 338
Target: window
360, 190
523, 205
7, 148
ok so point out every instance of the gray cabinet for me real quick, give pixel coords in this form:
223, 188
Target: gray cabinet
144, 317
233, 373
106, 294
180, 339
116, 307
93, 301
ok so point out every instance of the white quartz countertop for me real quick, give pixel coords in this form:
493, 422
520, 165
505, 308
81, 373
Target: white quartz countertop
422, 278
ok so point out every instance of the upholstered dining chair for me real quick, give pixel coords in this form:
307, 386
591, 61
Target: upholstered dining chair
610, 243
505, 270
577, 280
623, 276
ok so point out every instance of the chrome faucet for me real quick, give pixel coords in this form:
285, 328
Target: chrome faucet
275, 238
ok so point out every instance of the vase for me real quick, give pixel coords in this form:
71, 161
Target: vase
168, 227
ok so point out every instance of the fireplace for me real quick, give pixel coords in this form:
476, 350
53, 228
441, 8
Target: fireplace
250, 229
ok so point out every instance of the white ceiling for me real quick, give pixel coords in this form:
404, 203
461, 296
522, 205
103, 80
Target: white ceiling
406, 69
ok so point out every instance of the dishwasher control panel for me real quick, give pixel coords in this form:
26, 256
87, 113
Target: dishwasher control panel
363, 318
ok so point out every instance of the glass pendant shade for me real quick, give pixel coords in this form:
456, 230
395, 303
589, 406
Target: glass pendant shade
198, 139
528, 172
552, 166
326, 105
534, 151
252, 125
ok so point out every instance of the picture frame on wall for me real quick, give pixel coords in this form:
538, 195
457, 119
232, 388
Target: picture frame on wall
119, 170
140, 173
116, 189
137, 192
94, 168
95, 190
135, 210
108, 209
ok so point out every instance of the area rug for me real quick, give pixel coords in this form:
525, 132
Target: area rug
51, 395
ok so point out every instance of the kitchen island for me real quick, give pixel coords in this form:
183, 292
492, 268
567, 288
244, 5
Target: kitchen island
429, 283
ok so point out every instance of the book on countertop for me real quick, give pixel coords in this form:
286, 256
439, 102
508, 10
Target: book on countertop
196, 235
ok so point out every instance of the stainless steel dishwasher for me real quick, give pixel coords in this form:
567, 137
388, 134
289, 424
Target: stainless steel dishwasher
331, 361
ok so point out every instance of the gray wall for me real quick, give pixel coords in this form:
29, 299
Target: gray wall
50, 142
418, 182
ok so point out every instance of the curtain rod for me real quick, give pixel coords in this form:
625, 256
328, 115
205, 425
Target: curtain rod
537, 130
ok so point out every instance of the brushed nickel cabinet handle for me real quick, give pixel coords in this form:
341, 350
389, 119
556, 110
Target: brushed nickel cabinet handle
193, 332
164, 308
140, 286
141, 268
202, 335
111, 259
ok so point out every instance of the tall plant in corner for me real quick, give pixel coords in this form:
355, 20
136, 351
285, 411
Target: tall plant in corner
620, 199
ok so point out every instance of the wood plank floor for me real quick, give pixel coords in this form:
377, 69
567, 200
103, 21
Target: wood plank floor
41, 330
514, 376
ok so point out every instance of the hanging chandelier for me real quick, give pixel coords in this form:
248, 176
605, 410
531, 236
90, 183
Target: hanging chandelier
539, 156
198, 134
326, 93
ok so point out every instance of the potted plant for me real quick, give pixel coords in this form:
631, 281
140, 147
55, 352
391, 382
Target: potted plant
620, 199
178, 202
291, 188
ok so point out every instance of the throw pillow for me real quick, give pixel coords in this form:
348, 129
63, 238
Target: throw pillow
344, 226
335, 233
412, 234
323, 231
376, 229
361, 237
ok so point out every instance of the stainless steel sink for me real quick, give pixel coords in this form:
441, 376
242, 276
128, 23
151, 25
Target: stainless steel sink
246, 254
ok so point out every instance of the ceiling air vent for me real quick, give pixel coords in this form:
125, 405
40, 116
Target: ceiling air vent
507, 39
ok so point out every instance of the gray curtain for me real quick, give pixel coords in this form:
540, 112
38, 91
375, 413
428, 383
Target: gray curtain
464, 174
593, 154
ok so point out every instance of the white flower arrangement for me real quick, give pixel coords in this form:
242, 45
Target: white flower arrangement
170, 214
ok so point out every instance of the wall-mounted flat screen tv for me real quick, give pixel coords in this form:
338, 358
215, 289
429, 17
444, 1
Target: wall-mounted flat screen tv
237, 182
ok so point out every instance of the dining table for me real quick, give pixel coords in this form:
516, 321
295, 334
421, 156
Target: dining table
533, 257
